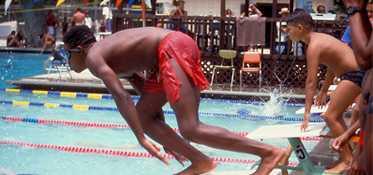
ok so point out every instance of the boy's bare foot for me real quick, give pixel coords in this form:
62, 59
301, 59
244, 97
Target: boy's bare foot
285, 160
338, 168
270, 162
199, 168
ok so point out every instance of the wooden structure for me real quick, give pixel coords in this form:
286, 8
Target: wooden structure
215, 33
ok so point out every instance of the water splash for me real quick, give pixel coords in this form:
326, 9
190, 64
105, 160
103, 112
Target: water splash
6, 68
274, 106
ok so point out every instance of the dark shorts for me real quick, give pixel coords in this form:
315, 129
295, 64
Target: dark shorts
185, 52
354, 76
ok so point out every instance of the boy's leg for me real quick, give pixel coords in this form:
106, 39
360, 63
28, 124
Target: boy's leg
343, 97
149, 107
366, 115
356, 110
191, 128
367, 152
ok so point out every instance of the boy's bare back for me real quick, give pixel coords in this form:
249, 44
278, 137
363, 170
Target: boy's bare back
130, 50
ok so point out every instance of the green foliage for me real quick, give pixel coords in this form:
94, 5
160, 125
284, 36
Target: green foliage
339, 6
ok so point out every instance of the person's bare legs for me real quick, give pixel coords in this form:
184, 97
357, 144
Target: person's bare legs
186, 109
148, 108
343, 97
285, 160
367, 153
356, 110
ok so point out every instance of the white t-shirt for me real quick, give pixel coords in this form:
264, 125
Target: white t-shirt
106, 11
284, 35
88, 21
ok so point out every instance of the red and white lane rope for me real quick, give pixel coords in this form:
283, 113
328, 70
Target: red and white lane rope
110, 152
101, 125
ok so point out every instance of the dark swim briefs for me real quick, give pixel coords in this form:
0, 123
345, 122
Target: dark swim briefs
354, 76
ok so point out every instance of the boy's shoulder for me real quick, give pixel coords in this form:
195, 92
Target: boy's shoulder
320, 40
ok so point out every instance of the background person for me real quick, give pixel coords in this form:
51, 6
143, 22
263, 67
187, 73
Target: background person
362, 44
78, 17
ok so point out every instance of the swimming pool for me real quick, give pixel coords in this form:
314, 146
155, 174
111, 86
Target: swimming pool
49, 132
69, 133
17, 65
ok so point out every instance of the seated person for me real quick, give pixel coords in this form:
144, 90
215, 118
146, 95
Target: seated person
48, 41
12, 40
21, 39
10, 37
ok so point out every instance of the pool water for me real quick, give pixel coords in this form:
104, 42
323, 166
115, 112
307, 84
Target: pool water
30, 144
14, 66
238, 116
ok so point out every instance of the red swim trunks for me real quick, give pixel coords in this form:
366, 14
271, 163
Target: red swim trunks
184, 50
361, 139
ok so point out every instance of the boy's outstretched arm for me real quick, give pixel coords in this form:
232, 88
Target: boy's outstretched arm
123, 101
313, 54
321, 98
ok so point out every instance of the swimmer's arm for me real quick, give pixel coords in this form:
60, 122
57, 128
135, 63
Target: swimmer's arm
121, 97
311, 81
137, 82
328, 81
350, 131
361, 32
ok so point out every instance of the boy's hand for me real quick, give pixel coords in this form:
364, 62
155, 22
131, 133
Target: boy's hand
180, 158
339, 142
153, 150
305, 123
320, 99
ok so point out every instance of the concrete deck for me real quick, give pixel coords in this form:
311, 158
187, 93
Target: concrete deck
86, 82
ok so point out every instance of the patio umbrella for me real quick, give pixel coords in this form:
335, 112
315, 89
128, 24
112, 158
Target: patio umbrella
104, 2
6, 6
60, 2
118, 4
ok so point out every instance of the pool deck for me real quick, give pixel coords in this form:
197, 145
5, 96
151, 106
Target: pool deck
86, 82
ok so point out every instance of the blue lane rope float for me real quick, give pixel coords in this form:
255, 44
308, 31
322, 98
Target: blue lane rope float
101, 96
97, 96
239, 115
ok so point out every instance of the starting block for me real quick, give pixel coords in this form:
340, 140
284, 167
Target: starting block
274, 172
314, 110
293, 133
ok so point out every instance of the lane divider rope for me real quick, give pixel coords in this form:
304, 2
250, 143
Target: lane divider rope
96, 96
101, 96
101, 125
239, 115
111, 152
